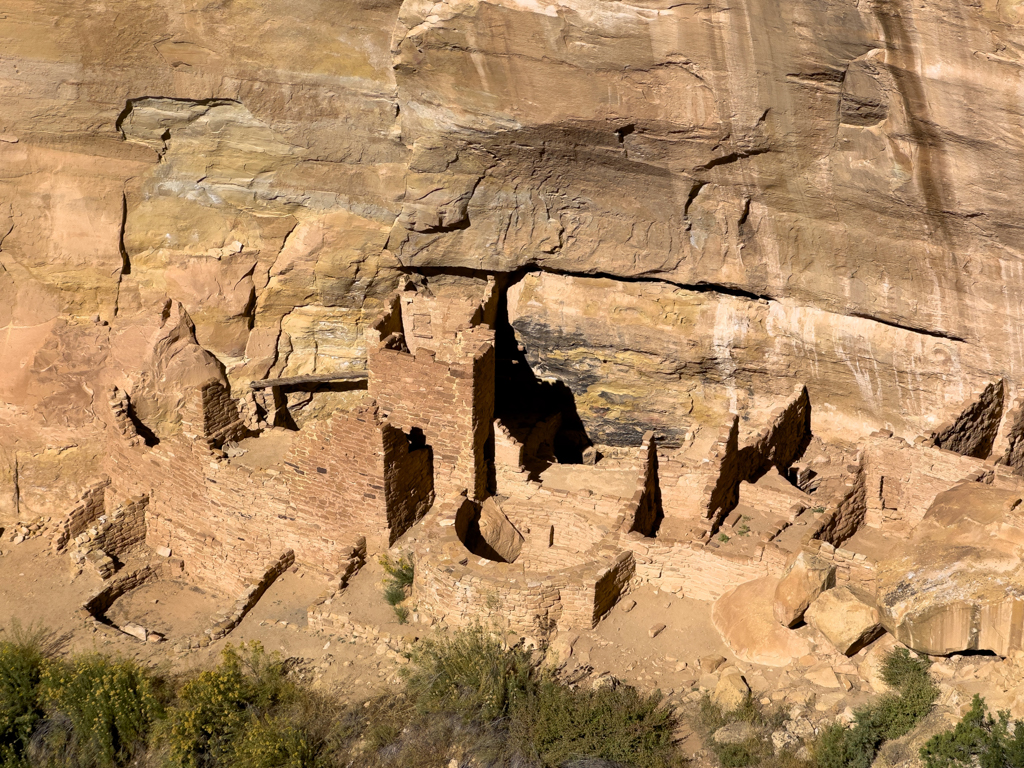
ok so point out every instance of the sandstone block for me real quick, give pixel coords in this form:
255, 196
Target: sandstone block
730, 693
845, 619
824, 676
135, 631
743, 617
803, 580
499, 532
734, 733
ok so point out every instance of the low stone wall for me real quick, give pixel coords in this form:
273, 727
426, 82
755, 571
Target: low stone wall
461, 589
852, 568
251, 595
902, 480
694, 569
95, 608
320, 615
113, 536
86, 511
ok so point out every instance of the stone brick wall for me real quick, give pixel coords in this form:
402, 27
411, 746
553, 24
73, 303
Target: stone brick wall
778, 445
86, 511
902, 480
115, 533
448, 394
646, 502
121, 419
408, 481
844, 516
460, 588
213, 416
852, 568
694, 569
223, 519
250, 595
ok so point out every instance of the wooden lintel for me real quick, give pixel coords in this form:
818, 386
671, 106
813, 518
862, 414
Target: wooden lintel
314, 378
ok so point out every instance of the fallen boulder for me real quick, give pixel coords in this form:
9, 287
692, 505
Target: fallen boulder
804, 579
731, 692
743, 617
848, 621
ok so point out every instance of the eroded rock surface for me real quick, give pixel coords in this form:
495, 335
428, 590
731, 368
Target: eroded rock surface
721, 205
958, 585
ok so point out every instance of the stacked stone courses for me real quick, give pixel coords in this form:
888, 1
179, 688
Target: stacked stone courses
421, 466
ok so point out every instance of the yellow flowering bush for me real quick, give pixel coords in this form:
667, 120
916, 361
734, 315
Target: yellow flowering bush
110, 704
218, 712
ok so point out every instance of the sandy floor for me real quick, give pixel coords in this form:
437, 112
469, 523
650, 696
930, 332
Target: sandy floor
265, 451
175, 609
576, 477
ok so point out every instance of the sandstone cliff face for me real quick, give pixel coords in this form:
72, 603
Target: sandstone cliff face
734, 197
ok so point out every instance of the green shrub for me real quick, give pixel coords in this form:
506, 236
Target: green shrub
979, 739
709, 717
393, 594
110, 705
217, 707
900, 669
892, 716
401, 613
736, 755
273, 743
399, 572
22, 662
556, 724
468, 673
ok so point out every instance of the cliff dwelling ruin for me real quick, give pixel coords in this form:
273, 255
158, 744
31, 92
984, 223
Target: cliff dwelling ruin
431, 466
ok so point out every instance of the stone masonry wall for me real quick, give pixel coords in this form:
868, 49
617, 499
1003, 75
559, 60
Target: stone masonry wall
408, 481
123, 529
648, 493
224, 519
693, 569
778, 444
87, 510
452, 403
845, 516
213, 415
902, 480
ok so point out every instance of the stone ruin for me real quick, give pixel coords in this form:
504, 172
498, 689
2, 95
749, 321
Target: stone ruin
500, 531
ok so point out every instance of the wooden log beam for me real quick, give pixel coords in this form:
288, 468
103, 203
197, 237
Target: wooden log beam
314, 378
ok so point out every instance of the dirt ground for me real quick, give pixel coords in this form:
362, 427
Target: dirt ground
38, 587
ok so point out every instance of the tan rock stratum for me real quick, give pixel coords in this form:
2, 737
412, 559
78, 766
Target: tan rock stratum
723, 200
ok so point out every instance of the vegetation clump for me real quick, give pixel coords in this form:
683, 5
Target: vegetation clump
892, 716
756, 750
398, 578
465, 693
979, 740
